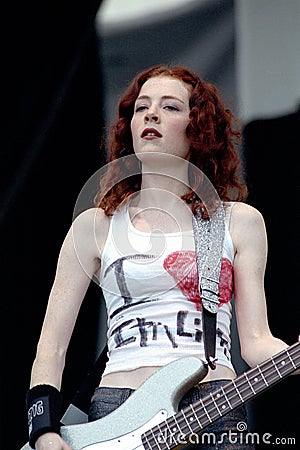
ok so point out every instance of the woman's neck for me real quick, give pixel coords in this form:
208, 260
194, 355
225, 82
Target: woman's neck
164, 180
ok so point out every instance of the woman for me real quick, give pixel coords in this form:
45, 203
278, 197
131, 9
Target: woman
172, 131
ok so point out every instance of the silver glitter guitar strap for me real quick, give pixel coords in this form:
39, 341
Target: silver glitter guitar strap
209, 241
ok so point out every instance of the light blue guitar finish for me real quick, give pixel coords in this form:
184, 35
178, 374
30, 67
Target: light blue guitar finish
150, 419
153, 402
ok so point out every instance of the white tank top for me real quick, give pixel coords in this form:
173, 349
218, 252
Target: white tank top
150, 286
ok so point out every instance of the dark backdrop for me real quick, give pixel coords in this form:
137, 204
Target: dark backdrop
52, 102
52, 118
271, 147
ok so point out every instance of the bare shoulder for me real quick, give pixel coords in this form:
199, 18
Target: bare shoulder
91, 226
245, 214
246, 223
92, 217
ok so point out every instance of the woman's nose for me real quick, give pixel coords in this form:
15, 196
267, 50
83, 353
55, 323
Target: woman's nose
151, 116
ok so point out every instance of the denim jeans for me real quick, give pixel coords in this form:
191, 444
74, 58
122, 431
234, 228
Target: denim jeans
226, 433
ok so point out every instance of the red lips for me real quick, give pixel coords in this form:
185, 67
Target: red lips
150, 132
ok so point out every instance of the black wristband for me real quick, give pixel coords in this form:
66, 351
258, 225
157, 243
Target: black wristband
44, 407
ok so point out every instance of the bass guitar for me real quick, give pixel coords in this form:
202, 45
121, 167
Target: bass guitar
150, 419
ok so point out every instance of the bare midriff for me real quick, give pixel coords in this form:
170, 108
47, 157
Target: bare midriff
134, 378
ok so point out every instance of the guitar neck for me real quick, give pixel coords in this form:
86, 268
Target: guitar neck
197, 416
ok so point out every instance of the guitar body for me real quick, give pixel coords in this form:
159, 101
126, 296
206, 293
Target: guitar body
150, 419
152, 403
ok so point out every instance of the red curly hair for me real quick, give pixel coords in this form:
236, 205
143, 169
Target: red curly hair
213, 130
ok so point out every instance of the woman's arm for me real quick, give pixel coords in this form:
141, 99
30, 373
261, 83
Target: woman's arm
249, 236
78, 260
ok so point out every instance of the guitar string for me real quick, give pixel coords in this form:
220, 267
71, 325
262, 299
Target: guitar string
242, 382
182, 426
238, 387
270, 364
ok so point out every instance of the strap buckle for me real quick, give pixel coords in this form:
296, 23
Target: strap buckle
211, 361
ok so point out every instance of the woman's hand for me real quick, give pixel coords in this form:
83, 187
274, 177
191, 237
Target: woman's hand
51, 441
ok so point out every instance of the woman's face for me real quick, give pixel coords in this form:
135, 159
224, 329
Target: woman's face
161, 115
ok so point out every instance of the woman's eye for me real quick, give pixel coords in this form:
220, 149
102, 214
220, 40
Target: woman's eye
171, 108
140, 108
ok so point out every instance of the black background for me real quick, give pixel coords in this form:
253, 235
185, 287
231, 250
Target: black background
52, 117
